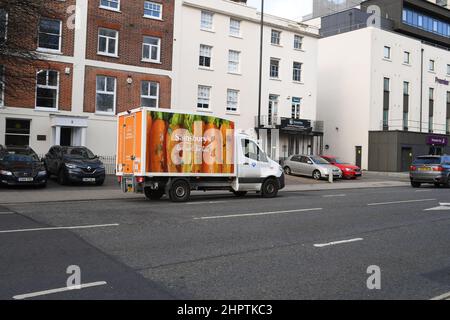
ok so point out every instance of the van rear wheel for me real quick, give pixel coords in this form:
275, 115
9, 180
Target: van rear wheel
153, 194
180, 191
269, 188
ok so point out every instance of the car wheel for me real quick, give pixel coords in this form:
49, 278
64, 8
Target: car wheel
269, 188
437, 185
287, 171
180, 191
62, 179
415, 184
317, 175
240, 194
447, 184
153, 194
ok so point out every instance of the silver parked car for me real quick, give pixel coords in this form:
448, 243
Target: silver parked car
430, 169
311, 166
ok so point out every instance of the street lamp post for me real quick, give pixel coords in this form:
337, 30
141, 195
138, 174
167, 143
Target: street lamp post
260, 67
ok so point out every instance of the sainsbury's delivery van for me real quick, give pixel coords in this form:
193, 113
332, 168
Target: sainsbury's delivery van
168, 152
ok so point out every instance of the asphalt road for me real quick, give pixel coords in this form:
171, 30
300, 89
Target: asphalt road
301, 245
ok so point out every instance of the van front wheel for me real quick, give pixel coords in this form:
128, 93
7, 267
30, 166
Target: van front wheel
180, 191
269, 188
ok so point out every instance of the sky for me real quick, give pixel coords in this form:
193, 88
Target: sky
291, 9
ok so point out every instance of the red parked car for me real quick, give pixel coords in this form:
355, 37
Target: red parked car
349, 171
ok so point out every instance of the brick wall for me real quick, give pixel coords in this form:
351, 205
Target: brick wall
132, 27
21, 91
128, 96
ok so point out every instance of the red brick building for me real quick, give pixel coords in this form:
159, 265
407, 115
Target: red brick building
97, 58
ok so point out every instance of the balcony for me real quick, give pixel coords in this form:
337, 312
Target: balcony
268, 122
413, 126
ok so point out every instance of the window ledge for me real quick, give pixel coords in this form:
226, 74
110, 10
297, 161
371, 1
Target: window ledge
153, 18
205, 68
275, 79
104, 114
208, 30
107, 55
39, 109
407, 64
387, 59
301, 50
151, 61
233, 113
205, 110
236, 36
432, 71
50, 51
235, 73
110, 9
298, 82
277, 45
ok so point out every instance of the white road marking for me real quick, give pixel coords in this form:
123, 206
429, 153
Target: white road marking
445, 296
423, 190
258, 214
334, 195
205, 202
442, 206
321, 245
61, 228
52, 291
6, 212
399, 202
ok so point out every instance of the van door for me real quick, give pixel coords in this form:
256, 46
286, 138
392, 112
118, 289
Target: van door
129, 144
253, 163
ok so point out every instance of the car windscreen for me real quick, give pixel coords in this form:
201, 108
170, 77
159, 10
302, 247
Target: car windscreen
78, 153
319, 160
427, 160
19, 157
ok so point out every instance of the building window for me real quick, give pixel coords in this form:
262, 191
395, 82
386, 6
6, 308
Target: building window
297, 72
106, 95
425, 22
431, 111
49, 35
232, 100
47, 89
387, 53
151, 49
386, 101
205, 56
235, 27
407, 57
17, 132
110, 4
108, 42
272, 110
274, 68
405, 106
276, 37
206, 20
296, 103
2, 85
152, 10
233, 61
203, 97
298, 42
3, 25
150, 94
432, 65
448, 69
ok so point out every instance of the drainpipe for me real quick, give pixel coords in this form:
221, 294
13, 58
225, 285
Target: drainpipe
260, 67
421, 88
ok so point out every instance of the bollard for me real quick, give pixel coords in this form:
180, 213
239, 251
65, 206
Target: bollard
330, 176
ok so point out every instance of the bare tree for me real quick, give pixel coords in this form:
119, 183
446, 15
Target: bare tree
19, 24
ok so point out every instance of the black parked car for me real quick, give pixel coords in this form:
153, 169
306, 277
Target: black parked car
74, 164
21, 166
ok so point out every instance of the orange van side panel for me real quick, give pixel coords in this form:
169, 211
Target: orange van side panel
129, 157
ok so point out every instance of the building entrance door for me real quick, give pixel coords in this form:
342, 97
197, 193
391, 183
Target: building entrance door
66, 137
407, 159
358, 156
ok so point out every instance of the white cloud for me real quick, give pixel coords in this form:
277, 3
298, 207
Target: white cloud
291, 9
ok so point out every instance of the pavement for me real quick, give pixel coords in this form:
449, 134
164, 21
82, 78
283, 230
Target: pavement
321, 244
111, 189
